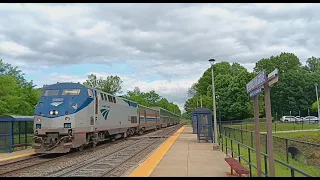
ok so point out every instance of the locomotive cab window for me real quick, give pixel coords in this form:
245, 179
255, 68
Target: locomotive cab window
51, 92
71, 92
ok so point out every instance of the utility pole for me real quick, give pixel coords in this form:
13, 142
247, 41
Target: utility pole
257, 133
269, 129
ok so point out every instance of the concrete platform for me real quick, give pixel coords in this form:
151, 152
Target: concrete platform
16, 154
186, 157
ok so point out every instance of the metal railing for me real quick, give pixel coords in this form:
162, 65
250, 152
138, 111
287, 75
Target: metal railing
276, 125
236, 148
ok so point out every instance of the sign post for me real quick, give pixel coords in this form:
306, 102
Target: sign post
254, 88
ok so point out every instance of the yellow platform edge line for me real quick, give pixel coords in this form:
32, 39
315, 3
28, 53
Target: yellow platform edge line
18, 156
146, 168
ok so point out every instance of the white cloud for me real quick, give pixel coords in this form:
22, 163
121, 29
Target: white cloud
171, 42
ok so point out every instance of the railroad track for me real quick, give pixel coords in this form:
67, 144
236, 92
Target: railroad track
109, 165
34, 166
24, 163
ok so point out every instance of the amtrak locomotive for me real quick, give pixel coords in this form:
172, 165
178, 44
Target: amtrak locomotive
72, 116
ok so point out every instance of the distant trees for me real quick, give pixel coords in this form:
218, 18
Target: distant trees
112, 84
17, 95
294, 92
151, 99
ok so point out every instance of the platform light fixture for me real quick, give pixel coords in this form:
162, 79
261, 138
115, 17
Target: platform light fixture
211, 61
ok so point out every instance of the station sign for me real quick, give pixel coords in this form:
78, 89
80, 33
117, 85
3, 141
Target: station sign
273, 77
255, 92
190, 108
257, 82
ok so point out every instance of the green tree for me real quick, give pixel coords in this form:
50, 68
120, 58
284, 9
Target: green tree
313, 64
17, 96
151, 99
230, 85
112, 84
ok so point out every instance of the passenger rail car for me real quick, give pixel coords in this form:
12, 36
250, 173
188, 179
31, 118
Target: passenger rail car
70, 115
149, 119
167, 118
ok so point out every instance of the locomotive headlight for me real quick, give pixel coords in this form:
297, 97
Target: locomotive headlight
51, 112
67, 118
38, 119
56, 112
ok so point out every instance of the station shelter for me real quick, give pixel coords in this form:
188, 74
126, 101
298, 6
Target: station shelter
202, 121
15, 132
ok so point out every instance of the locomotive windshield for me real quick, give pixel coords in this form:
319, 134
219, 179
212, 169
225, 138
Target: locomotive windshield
51, 92
71, 92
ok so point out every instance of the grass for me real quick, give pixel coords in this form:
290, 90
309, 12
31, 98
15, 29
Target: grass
309, 136
306, 162
280, 170
276, 126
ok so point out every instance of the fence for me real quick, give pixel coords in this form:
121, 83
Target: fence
295, 156
276, 125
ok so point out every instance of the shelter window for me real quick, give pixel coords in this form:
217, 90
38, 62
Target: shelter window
101, 96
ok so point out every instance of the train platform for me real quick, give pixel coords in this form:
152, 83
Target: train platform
183, 156
17, 154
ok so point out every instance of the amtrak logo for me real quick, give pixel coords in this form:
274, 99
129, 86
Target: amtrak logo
105, 113
75, 106
56, 103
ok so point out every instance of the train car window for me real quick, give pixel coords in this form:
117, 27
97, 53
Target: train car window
70, 92
114, 99
105, 97
51, 92
135, 119
90, 93
102, 98
109, 98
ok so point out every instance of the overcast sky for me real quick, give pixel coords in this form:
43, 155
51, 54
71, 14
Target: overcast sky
161, 47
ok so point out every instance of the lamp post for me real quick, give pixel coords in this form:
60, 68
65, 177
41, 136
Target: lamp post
214, 104
218, 97
316, 85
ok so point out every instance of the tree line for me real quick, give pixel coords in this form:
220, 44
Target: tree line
112, 85
294, 93
19, 96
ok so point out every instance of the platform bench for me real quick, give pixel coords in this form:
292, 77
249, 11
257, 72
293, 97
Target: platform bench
236, 166
19, 145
